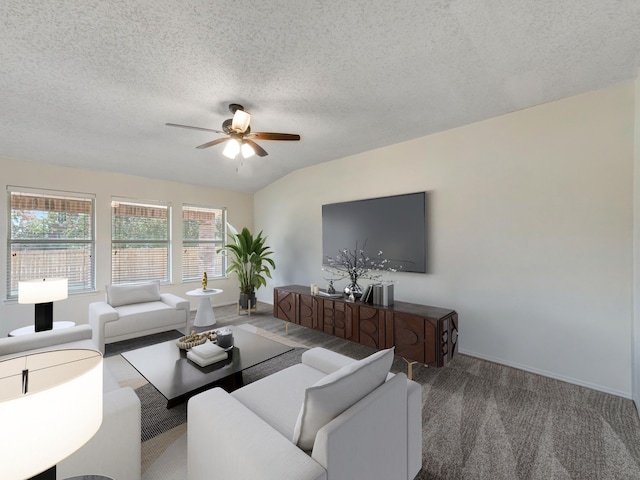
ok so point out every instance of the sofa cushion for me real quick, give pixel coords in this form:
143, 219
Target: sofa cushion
265, 396
336, 392
140, 317
118, 295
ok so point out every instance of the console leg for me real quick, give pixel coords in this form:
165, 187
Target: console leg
410, 364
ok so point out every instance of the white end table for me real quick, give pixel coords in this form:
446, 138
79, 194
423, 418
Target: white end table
32, 328
204, 314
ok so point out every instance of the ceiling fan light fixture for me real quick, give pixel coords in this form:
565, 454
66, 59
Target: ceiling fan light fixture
240, 121
232, 148
247, 150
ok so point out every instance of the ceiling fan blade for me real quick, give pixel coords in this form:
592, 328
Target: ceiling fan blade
212, 143
261, 152
274, 136
193, 128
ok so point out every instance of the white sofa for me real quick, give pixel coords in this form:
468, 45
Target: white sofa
115, 450
136, 310
328, 418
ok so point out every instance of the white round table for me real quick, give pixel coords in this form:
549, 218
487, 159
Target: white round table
32, 328
204, 314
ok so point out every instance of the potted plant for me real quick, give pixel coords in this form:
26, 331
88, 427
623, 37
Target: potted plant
248, 257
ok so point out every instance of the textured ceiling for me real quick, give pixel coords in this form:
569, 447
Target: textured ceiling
91, 83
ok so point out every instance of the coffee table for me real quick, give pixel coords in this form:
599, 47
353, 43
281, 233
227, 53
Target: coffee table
167, 368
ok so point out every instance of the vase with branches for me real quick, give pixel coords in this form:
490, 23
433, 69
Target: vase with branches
356, 265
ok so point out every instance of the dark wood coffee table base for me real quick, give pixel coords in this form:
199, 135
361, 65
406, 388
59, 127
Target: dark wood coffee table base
167, 368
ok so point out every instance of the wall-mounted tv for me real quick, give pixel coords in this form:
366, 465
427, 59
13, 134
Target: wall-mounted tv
395, 225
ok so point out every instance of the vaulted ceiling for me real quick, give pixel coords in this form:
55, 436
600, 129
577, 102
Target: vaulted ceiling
91, 83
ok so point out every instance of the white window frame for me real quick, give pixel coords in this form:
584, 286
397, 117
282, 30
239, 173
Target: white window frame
166, 278
219, 244
88, 283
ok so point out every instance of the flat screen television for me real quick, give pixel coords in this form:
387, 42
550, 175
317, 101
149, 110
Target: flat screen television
395, 225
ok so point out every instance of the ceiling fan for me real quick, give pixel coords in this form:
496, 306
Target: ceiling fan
239, 137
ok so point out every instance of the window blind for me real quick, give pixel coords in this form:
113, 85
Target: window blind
203, 233
140, 242
51, 234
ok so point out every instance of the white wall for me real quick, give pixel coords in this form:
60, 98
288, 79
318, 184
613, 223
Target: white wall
104, 186
531, 225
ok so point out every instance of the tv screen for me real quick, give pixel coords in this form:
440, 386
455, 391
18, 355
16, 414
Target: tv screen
395, 225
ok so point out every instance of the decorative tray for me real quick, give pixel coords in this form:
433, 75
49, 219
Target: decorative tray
189, 341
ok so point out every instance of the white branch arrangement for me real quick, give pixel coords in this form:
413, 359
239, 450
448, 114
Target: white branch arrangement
355, 264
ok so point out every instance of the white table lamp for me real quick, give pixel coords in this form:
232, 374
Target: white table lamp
50, 406
43, 292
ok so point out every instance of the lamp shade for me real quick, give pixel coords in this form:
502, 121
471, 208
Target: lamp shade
60, 411
232, 148
247, 150
43, 290
240, 121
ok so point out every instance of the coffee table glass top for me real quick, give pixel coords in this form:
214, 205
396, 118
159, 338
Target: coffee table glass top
167, 368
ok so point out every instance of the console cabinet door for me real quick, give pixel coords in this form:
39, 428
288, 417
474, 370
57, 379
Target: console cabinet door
308, 313
285, 305
338, 319
409, 334
448, 335
370, 321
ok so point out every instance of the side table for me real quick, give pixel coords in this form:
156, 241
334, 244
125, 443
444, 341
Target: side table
32, 328
204, 314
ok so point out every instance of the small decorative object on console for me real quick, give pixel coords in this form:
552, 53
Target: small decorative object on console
355, 265
204, 281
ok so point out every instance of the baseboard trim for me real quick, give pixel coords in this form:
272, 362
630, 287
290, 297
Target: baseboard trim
545, 373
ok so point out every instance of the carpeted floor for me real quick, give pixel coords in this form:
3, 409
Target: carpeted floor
480, 420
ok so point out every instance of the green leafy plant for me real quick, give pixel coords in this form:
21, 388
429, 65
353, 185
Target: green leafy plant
248, 257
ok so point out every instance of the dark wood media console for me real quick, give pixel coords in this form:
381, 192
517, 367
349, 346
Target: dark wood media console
425, 334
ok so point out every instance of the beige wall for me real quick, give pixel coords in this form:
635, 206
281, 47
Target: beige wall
105, 186
530, 222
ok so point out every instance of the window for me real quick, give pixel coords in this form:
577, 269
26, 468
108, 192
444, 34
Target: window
140, 242
51, 234
203, 233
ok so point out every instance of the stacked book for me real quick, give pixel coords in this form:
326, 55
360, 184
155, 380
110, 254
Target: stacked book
206, 354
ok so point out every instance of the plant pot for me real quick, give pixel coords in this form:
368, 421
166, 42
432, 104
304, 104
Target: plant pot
246, 298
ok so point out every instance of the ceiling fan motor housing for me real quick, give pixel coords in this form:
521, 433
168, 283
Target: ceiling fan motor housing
233, 107
226, 126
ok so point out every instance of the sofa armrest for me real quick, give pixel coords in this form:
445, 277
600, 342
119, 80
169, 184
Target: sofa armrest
115, 450
375, 428
101, 313
325, 360
228, 440
49, 338
175, 301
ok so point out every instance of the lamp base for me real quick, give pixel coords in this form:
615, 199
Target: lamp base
46, 475
44, 316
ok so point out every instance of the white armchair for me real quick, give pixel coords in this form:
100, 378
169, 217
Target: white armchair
311, 421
